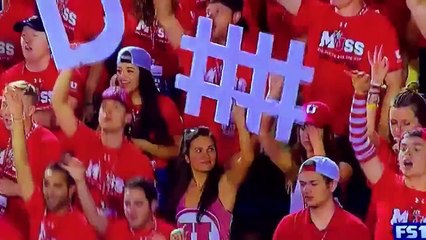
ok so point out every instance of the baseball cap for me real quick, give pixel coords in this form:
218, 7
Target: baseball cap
33, 22
322, 165
118, 94
317, 114
136, 56
234, 5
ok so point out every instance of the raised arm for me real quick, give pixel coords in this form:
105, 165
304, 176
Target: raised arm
280, 157
95, 218
63, 111
364, 149
239, 168
418, 13
292, 6
14, 99
166, 17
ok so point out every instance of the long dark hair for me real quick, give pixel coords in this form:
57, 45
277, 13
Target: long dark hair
183, 176
149, 124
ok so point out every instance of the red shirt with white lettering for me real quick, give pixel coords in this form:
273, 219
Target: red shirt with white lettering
120, 230
83, 22
153, 39
396, 203
226, 135
8, 232
10, 41
44, 81
336, 43
43, 148
44, 226
171, 116
342, 225
108, 169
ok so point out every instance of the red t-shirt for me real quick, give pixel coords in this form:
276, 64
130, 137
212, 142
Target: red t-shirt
171, 115
336, 43
108, 169
69, 226
8, 232
43, 148
153, 39
10, 43
84, 23
396, 203
387, 156
280, 24
342, 225
226, 136
119, 230
44, 81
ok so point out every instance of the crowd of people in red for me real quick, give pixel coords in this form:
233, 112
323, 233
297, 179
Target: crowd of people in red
105, 151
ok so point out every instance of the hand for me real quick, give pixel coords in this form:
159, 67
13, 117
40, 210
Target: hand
239, 115
75, 168
360, 81
305, 141
379, 66
9, 188
158, 236
114, 81
88, 113
316, 138
13, 98
177, 234
276, 84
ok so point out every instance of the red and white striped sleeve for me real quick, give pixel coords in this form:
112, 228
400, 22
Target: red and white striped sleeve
364, 149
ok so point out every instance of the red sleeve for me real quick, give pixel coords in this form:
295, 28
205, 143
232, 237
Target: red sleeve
77, 86
171, 115
390, 42
384, 188
285, 229
52, 152
165, 228
8, 231
309, 12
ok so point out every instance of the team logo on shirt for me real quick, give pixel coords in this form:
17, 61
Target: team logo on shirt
147, 31
207, 228
345, 48
6, 49
405, 216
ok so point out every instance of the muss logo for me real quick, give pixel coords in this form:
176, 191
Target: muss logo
7, 48
69, 16
340, 43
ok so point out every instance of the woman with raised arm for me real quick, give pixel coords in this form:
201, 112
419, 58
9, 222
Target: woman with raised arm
409, 185
204, 194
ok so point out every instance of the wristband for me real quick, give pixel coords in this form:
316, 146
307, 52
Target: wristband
17, 119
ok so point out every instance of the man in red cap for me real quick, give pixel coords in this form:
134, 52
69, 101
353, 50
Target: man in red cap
323, 218
110, 159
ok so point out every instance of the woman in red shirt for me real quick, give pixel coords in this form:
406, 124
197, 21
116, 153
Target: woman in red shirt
157, 127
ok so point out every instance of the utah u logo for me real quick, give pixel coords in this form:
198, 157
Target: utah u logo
311, 108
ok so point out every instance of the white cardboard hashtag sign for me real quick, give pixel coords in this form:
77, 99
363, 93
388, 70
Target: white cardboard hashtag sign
262, 64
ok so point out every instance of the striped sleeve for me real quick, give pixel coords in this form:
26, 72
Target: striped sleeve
364, 149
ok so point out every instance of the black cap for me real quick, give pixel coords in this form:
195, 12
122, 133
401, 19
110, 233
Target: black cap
33, 22
234, 5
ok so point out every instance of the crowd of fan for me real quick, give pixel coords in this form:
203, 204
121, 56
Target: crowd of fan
106, 151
